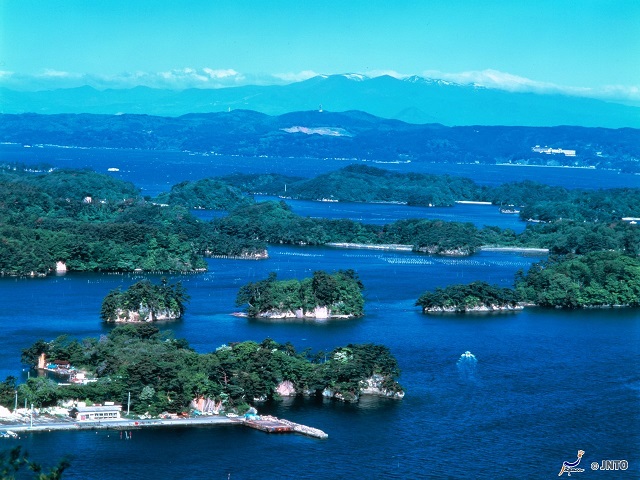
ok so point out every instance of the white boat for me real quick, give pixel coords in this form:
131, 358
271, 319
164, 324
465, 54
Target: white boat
113, 169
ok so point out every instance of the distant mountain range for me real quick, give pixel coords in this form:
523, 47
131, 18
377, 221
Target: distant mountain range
415, 100
325, 134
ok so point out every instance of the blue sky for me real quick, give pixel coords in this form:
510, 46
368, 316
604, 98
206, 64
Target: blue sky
576, 46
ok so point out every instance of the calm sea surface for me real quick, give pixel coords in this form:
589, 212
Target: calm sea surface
546, 383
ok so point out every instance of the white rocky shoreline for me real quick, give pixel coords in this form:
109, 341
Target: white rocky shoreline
476, 309
318, 313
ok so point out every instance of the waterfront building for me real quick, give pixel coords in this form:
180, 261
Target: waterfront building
96, 413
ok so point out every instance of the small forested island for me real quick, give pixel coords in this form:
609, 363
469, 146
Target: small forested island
596, 279
474, 297
337, 295
145, 302
164, 374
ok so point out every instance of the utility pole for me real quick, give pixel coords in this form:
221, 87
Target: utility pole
128, 403
31, 416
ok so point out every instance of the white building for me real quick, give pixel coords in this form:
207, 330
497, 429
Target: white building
96, 413
553, 151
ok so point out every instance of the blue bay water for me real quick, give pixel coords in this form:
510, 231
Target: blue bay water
156, 171
384, 213
546, 383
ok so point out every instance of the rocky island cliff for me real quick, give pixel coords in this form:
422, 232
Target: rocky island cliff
474, 297
145, 302
601, 279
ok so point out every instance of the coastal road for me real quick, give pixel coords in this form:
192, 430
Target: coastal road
45, 424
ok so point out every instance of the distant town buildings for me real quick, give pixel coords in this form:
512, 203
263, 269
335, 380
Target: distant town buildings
553, 151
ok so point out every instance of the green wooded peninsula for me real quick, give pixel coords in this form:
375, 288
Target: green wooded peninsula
79, 220
337, 295
596, 279
165, 374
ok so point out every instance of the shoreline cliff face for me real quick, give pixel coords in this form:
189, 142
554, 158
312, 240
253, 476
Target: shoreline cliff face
371, 386
318, 313
258, 255
475, 309
145, 302
447, 252
475, 297
374, 385
323, 296
145, 315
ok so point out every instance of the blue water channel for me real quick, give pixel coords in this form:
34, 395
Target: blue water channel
546, 382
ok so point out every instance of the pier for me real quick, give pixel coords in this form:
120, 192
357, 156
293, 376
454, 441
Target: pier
268, 424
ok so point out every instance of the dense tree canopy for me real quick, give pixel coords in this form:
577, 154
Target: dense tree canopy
165, 374
209, 193
93, 222
461, 298
594, 279
146, 301
361, 183
340, 292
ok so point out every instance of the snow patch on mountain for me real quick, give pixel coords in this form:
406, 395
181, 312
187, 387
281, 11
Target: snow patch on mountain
355, 76
330, 131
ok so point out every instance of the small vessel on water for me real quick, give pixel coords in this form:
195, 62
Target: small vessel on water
113, 169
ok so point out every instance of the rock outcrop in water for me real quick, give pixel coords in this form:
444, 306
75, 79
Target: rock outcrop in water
375, 385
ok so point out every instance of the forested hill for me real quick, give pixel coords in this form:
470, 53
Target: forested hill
325, 134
